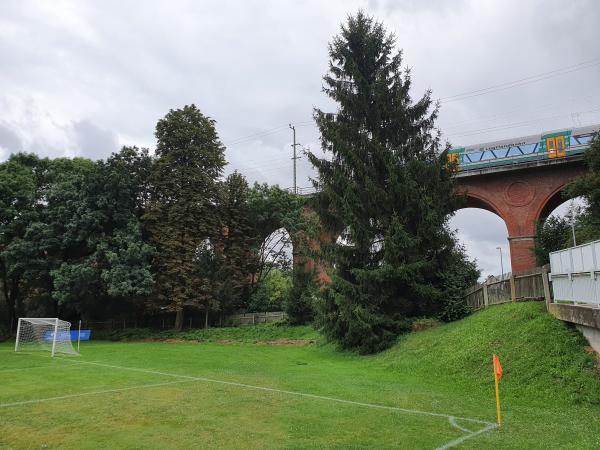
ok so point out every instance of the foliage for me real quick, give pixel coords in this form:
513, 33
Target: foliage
21, 180
112, 258
272, 293
136, 233
74, 239
235, 245
588, 185
551, 235
386, 186
300, 302
181, 213
246, 333
458, 273
425, 323
277, 216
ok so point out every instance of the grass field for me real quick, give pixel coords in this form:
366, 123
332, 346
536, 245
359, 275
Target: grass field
251, 396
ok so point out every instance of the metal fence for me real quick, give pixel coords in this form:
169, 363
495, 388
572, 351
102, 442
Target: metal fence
530, 285
254, 318
574, 274
165, 322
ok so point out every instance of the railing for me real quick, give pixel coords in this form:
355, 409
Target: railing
575, 273
304, 191
254, 318
530, 285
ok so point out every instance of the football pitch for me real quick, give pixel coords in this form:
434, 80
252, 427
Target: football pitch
188, 395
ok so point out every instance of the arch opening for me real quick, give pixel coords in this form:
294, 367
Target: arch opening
272, 279
483, 234
276, 251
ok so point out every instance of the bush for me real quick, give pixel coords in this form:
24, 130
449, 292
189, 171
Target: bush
424, 324
271, 293
460, 273
247, 333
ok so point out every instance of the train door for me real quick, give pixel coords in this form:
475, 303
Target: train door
550, 146
556, 147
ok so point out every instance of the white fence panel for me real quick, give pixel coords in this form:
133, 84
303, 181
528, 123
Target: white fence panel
575, 273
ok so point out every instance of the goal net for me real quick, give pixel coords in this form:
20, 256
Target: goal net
46, 334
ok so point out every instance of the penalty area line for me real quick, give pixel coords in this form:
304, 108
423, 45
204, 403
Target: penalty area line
83, 394
451, 418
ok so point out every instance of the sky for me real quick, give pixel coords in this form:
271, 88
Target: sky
83, 78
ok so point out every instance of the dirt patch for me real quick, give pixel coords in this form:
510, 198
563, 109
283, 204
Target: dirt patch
288, 342
172, 340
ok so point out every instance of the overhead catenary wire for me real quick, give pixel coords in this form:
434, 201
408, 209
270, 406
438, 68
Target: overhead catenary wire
520, 110
264, 133
518, 124
522, 81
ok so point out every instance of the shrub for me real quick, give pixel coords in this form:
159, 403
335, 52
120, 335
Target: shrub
424, 324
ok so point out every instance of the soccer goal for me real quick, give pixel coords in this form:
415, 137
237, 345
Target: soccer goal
46, 334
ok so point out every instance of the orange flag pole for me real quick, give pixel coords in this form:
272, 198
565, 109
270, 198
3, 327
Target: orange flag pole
497, 376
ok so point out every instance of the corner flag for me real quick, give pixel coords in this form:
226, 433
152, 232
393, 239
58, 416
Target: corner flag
497, 367
497, 376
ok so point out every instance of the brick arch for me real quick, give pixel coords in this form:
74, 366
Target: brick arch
553, 201
474, 200
520, 197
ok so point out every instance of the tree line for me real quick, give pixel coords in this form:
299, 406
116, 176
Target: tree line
141, 234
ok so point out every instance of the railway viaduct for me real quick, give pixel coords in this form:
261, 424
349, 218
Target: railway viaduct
521, 194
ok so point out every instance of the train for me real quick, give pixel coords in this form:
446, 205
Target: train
546, 145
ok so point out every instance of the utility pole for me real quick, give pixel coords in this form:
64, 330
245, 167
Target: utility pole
294, 158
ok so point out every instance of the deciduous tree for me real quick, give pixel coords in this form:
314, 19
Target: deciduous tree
182, 210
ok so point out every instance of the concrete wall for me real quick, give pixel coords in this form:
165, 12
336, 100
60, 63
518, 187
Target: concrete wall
586, 318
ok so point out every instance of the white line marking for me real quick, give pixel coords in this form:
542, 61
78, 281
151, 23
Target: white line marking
23, 368
82, 394
462, 439
452, 421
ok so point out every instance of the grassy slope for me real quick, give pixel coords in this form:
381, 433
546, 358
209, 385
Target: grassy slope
550, 389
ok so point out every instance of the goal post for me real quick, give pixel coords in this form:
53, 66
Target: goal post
45, 334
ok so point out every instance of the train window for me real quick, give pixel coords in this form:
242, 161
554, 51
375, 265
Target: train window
560, 147
551, 148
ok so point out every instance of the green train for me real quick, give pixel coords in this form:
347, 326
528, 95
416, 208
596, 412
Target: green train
548, 145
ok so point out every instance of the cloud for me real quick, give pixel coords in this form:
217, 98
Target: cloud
92, 141
9, 140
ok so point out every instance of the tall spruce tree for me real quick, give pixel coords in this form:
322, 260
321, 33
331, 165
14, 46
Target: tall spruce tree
385, 182
181, 215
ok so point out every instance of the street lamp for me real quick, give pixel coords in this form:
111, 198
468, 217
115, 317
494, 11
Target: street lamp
501, 263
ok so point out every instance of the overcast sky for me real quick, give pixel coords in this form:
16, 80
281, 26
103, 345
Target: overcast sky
86, 77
